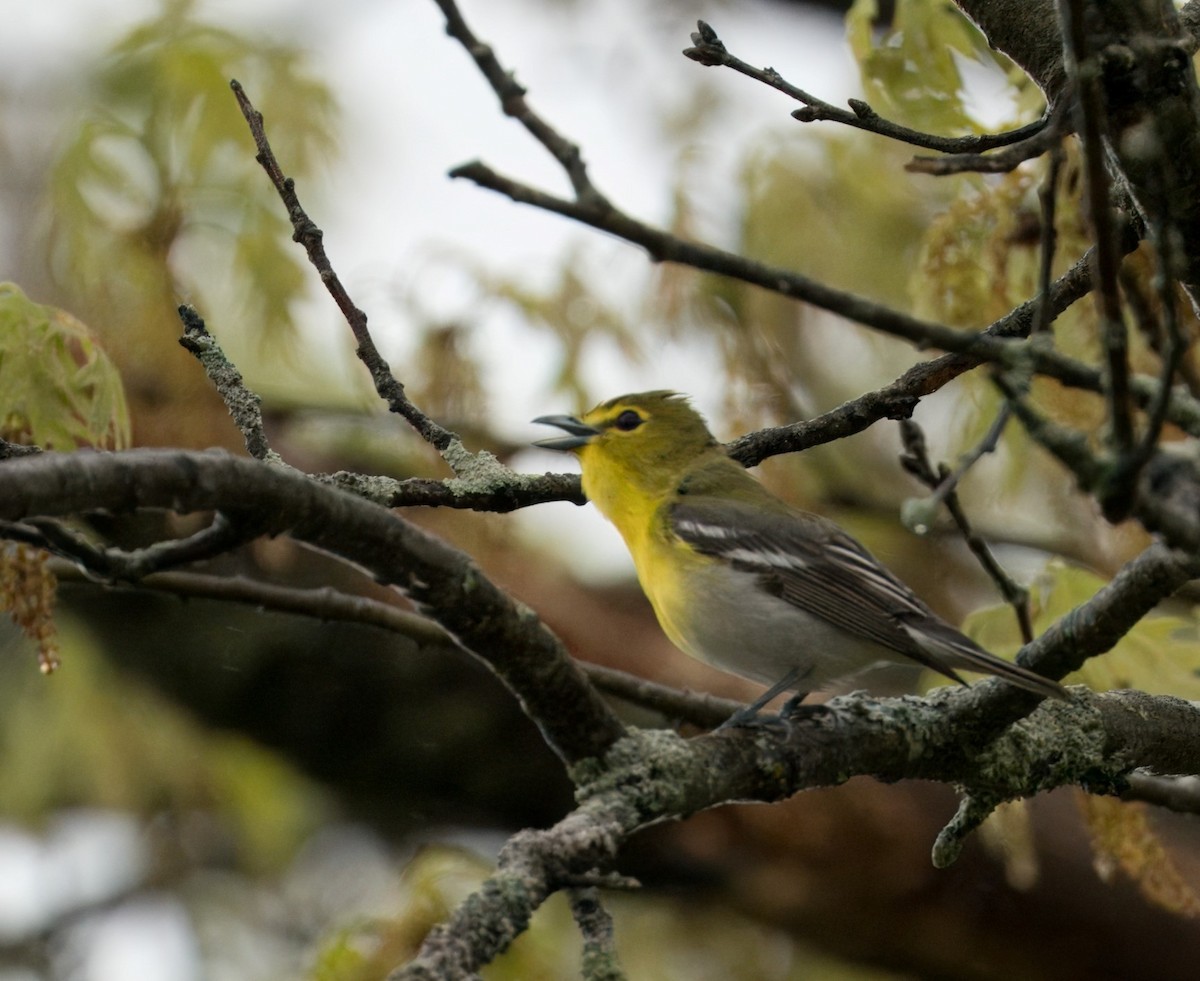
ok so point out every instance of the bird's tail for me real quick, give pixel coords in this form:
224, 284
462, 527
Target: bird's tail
950, 651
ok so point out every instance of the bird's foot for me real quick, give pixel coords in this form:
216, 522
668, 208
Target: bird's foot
751, 717
794, 711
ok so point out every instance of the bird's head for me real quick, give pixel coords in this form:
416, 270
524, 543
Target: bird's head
646, 439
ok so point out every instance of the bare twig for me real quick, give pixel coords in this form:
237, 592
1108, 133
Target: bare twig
114, 564
311, 237
1089, 120
708, 49
664, 247
1048, 198
944, 485
512, 102
1172, 352
328, 604
1180, 526
325, 604
1148, 324
1069, 446
999, 162
696, 708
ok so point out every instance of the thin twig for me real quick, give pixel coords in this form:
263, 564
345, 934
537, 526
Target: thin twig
708, 49
1048, 200
244, 405
1139, 306
694, 708
1157, 511
600, 961
1000, 162
306, 232
1068, 445
1089, 119
1173, 350
111, 564
327, 604
944, 484
512, 102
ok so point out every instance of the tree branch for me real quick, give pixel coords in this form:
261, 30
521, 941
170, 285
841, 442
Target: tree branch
654, 774
443, 582
481, 482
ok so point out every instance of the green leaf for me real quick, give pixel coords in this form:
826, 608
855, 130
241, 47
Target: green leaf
1160, 655
159, 180
60, 389
910, 70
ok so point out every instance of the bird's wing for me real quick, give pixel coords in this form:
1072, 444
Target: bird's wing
810, 563
813, 564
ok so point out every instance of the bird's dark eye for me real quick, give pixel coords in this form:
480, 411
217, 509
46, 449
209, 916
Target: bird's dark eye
628, 420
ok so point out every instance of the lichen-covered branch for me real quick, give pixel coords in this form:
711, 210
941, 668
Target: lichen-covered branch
651, 775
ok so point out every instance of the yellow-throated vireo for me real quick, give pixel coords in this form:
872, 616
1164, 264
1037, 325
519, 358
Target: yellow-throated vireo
742, 580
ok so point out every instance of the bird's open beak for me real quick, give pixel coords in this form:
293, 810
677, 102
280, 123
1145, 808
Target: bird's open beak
580, 434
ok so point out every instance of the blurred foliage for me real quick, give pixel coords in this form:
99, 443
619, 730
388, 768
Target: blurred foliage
831, 208
1124, 841
1160, 655
61, 391
448, 380
27, 592
980, 256
911, 68
156, 195
89, 736
657, 940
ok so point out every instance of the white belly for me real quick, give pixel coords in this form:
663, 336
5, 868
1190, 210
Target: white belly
736, 626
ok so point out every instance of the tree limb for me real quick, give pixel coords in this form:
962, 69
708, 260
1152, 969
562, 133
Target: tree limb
444, 582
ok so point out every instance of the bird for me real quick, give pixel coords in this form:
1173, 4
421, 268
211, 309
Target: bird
742, 580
